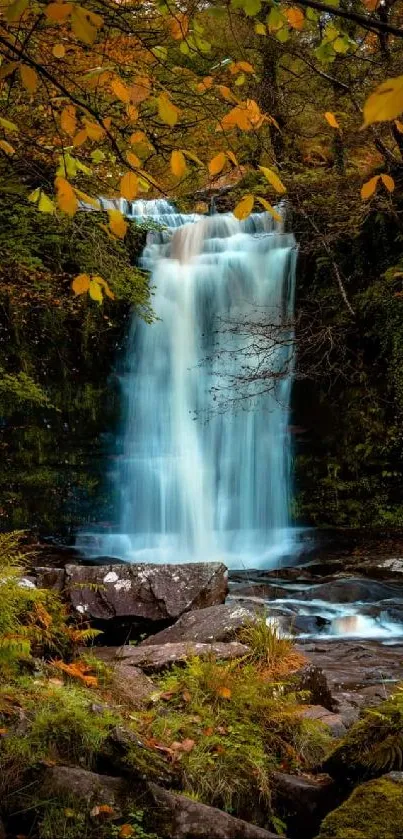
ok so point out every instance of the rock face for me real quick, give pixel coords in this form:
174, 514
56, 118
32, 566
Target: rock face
183, 818
217, 623
302, 800
145, 592
373, 811
90, 787
152, 658
333, 722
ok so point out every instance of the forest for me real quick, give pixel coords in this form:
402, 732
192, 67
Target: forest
201, 405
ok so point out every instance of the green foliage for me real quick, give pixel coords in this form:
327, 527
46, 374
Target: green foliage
373, 745
18, 389
265, 642
227, 727
373, 811
66, 819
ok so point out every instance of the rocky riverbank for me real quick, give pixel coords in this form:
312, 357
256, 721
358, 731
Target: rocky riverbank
192, 715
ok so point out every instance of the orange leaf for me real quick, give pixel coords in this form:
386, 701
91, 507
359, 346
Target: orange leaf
126, 831
80, 138
369, 188
179, 26
217, 164
117, 223
133, 160
186, 696
81, 284
65, 196
120, 90
388, 182
68, 120
244, 208
129, 186
132, 113
331, 119
29, 78
295, 17
178, 163
59, 51
58, 12
224, 692
140, 89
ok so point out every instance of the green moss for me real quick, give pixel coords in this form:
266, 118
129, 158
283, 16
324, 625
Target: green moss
373, 745
373, 811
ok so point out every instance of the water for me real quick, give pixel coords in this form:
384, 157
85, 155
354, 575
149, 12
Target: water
205, 473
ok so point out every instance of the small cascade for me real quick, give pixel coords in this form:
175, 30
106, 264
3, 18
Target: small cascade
193, 481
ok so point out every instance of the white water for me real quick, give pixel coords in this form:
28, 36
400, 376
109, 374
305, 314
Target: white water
194, 483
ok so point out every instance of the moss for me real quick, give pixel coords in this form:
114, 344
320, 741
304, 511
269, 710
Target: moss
373, 745
373, 811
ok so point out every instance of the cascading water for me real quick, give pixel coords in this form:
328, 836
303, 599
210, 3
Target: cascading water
195, 483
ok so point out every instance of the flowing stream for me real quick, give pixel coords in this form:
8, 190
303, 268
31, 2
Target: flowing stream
205, 472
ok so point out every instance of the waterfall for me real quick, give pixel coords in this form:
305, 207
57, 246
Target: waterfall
198, 479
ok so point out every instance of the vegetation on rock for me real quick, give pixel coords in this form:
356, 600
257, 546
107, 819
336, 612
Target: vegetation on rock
373, 811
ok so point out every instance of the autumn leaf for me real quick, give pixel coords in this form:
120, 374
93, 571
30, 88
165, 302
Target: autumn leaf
7, 125
81, 284
129, 186
117, 223
241, 66
224, 692
59, 51
178, 163
232, 158
388, 181
105, 286
369, 188
168, 112
126, 831
179, 26
7, 148
58, 12
29, 78
132, 159
120, 90
273, 212
68, 120
85, 24
95, 291
331, 119
65, 196
295, 17
385, 103
399, 126
140, 89
273, 179
15, 10
94, 130
217, 164
244, 208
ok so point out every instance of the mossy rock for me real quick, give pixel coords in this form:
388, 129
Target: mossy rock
372, 746
373, 811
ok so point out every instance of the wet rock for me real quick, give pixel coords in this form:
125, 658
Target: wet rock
351, 590
373, 811
179, 817
89, 787
216, 623
261, 591
303, 800
312, 679
145, 591
333, 722
309, 624
51, 578
152, 658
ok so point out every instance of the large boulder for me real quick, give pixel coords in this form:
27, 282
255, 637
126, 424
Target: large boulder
303, 800
216, 623
152, 658
179, 817
88, 787
144, 592
373, 811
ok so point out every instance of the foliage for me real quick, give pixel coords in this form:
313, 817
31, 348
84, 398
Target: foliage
373, 745
373, 811
226, 727
64, 818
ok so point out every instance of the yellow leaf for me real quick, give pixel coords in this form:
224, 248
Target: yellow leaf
369, 188
225, 692
273, 179
45, 204
331, 119
7, 125
388, 181
65, 196
29, 78
120, 90
179, 26
295, 17
260, 29
85, 24
244, 208
15, 10
59, 51
129, 186
81, 284
273, 212
105, 286
94, 131
95, 291
385, 103
117, 223
217, 164
399, 126
133, 160
68, 120
168, 112
7, 148
192, 156
58, 12
80, 138
178, 163
232, 158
